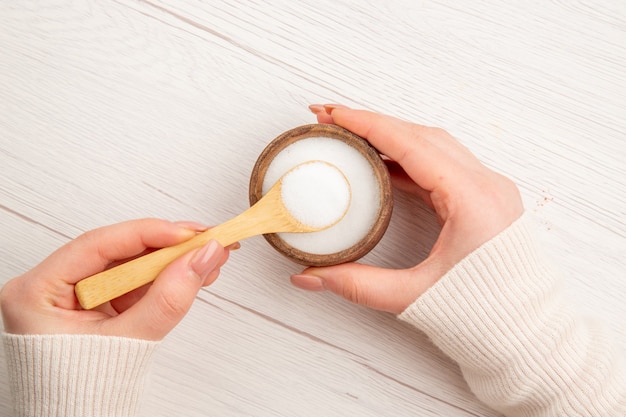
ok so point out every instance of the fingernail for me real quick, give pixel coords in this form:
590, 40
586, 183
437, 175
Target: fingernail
308, 282
316, 108
206, 259
195, 226
234, 246
190, 229
330, 107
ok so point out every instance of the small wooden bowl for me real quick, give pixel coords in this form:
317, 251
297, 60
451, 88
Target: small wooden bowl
378, 167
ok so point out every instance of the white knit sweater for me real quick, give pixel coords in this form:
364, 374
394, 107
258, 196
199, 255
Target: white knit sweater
77, 375
500, 314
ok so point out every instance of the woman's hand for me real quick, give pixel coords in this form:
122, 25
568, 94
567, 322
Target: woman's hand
472, 203
42, 301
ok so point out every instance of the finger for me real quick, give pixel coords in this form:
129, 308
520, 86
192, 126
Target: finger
210, 278
124, 302
195, 226
404, 142
436, 136
171, 295
382, 289
127, 300
401, 180
234, 246
93, 251
323, 112
319, 111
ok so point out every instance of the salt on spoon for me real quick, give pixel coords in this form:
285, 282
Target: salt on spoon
312, 196
316, 193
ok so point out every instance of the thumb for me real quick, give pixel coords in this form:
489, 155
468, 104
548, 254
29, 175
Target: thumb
171, 295
391, 290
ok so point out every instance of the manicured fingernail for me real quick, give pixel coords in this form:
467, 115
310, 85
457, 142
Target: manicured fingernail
330, 107
308, 282
234, 246
198, 227
206, 259
316, 108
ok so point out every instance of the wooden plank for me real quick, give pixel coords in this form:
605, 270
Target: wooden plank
117, 110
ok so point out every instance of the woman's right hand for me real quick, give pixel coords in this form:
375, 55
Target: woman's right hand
42, 300
472, 202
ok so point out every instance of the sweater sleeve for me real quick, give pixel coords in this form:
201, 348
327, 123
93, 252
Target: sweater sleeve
76, 375
502, 315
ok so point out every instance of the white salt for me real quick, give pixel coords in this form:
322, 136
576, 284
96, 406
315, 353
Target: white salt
316, 194
365, 202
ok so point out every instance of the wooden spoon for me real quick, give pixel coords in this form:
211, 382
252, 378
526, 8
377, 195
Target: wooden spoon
268, 215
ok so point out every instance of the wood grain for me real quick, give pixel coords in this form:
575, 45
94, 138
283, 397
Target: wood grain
122, 109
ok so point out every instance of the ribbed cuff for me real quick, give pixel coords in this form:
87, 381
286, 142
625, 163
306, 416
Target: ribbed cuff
485, 298
502, 316
76, 375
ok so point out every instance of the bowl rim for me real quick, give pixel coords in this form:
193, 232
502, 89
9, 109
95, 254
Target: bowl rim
371, 239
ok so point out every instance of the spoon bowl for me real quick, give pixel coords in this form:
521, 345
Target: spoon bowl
268, 215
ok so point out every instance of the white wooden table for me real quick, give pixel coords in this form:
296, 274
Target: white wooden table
113, 110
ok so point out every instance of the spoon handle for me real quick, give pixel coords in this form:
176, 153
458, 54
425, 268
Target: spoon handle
261, 218
114, 282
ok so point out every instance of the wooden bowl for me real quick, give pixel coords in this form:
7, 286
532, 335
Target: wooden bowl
376, 232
